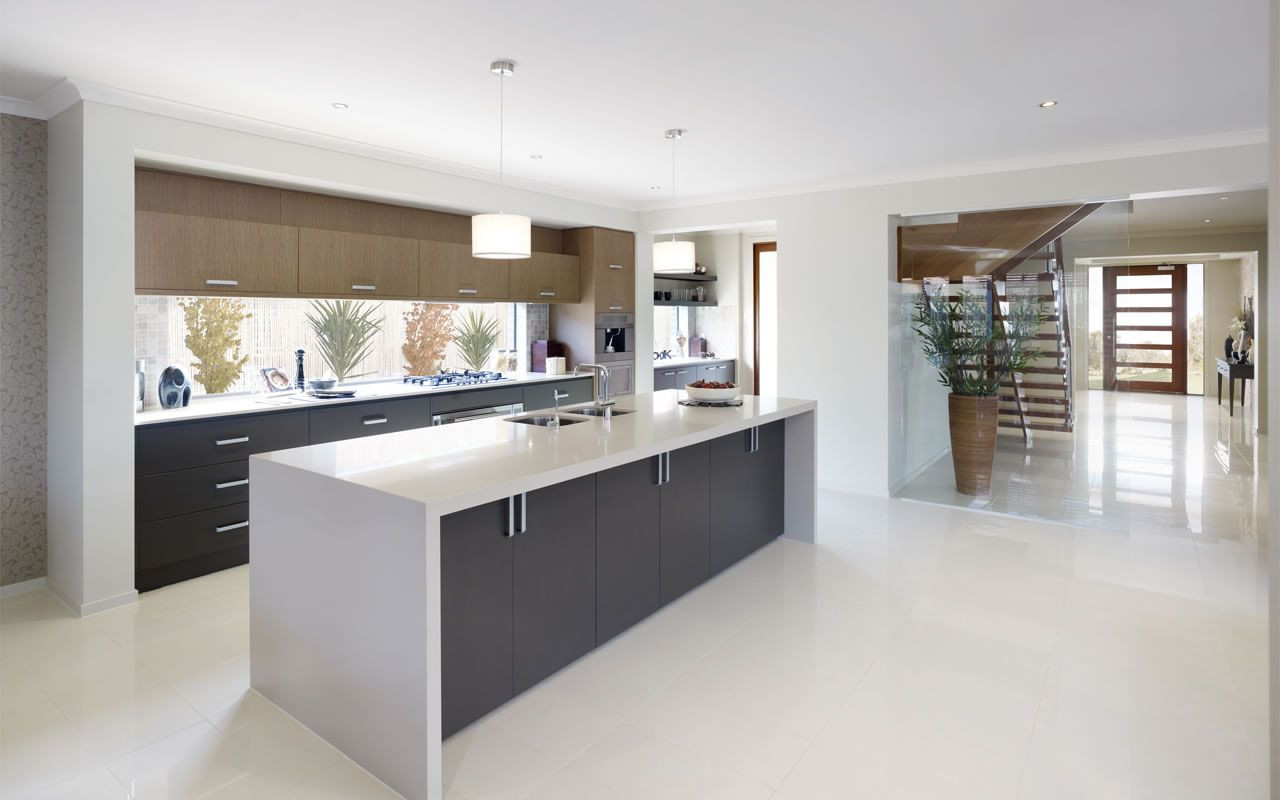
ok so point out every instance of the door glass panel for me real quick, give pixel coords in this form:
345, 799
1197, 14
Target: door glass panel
1144, 281
1144, 337
1147, 374
1144, 318
1124, 354
1144, 300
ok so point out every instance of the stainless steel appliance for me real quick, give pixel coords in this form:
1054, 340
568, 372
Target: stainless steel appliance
615, 348
466, 414
457, 377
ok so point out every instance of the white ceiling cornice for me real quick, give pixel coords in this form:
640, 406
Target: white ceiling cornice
21, 108
67, 93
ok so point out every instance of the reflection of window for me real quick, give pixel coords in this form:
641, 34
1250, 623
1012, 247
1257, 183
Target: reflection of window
669, 323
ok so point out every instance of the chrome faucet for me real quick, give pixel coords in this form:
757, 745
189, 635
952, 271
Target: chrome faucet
602, 384
556, 397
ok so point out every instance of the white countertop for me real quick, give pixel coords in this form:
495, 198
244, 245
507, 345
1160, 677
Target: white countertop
454, 467
209, 407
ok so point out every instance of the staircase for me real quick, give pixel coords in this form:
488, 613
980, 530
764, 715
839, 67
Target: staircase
1039, 397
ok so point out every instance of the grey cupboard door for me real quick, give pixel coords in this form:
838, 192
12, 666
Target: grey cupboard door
477, 570
746, 493
555, 579
664, 378
685, 526
627, 511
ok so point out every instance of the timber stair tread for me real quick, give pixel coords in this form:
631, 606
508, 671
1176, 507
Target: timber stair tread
1035, 426
1030, 398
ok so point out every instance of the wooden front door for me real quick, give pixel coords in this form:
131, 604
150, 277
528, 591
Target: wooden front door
1144, 328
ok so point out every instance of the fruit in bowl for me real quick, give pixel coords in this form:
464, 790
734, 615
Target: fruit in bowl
712, 391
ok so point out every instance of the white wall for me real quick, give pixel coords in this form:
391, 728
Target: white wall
92, 152
1272, 365
836, 283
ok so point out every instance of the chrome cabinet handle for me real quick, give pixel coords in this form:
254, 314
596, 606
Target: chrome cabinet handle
378, 420
468, 291
524, 512
753, 439
225, 442
233, 526
512, 530
364, 287
545, 293
615, 266
666, 458
659, 458
669, 373
231, 484
220, 282
615, 308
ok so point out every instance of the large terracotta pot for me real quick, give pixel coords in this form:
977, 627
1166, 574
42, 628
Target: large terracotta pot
973, 441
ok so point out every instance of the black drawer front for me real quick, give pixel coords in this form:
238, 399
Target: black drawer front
167, 448
476, 398
369, 419
203, 533
172, 493
540, 396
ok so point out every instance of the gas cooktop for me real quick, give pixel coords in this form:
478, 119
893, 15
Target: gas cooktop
455, 377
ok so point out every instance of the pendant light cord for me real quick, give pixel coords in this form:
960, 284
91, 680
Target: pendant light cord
502, 99
673, 187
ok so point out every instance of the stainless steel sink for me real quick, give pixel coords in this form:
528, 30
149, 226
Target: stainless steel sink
545, 420
596, 411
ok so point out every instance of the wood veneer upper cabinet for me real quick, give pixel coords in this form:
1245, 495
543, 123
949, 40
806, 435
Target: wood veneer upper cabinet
205, 255
546, 278
335, 263
608, 266
198, 196
307, 210
448, 272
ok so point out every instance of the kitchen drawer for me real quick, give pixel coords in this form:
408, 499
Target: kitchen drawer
369, 419
165, 448
203, 533
723, 371
476, 398
677, 379
539, 395
169, 494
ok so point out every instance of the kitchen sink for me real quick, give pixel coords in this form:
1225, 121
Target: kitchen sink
545, 420
594, 411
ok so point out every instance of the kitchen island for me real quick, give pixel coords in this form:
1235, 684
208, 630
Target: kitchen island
404, 585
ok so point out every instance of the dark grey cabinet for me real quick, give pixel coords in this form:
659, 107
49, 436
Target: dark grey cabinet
685, 520
555, 579
165, 448
669, 376
747, 492
539, 395
725, 371
336, 423
664, 378
477, 614
628, 511
169, 494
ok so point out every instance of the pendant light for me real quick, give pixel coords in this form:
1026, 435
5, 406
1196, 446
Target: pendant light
500, 235
673, 256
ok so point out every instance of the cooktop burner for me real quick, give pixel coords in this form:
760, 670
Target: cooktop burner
455, 377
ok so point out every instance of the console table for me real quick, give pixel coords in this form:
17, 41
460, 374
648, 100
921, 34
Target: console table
1231, 370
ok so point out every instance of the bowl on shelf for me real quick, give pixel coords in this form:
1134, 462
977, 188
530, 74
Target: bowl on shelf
711, 395
322, 384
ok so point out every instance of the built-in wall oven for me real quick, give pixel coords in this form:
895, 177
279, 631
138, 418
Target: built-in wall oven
615, 348
480, 412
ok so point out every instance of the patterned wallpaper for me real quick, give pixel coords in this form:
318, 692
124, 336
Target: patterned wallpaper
23, 405
1249, 288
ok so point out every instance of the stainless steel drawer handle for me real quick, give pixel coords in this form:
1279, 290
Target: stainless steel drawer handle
546, 294
615, 266
468, 291
220, 282
231, 484
233, 526
615, 308
364, 287
378, 420
225, 442
669, 373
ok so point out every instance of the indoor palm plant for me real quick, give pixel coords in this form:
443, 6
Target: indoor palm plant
973, 352
475, 339
344, 331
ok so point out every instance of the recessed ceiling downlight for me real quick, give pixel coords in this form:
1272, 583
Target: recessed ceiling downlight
340, 106
1049, 104
536, 156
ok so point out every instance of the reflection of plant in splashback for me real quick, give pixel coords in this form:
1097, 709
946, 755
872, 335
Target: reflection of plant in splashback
475, 339
344, 331
213, 337
428, 330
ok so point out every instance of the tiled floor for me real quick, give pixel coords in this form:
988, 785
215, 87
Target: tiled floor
917, 651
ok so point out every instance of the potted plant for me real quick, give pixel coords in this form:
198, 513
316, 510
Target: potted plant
475, 339
973, 352
344, 331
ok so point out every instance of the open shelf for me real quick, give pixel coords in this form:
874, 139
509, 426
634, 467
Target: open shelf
703, 303
682, 276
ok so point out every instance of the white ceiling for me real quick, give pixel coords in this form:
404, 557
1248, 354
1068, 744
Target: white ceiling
1186, 215
775, 95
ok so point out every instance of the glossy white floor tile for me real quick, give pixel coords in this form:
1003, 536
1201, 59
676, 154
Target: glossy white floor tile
917, 651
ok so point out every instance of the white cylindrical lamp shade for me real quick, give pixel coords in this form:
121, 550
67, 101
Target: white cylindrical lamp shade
673, 256
500, 236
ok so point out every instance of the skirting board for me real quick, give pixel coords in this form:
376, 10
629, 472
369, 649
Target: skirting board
96, 606
21, 587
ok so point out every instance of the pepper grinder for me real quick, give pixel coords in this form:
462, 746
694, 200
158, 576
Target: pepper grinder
301, 380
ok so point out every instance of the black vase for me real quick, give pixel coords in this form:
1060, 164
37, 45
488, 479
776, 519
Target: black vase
175, 392
1228, 348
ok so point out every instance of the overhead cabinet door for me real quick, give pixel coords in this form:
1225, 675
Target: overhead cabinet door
335, 263
546, 278
179, 253
615, 272
448, 272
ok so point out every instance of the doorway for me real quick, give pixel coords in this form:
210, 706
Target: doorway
1144, 328
764, 283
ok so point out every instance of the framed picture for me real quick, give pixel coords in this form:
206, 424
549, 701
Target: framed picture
276, 380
